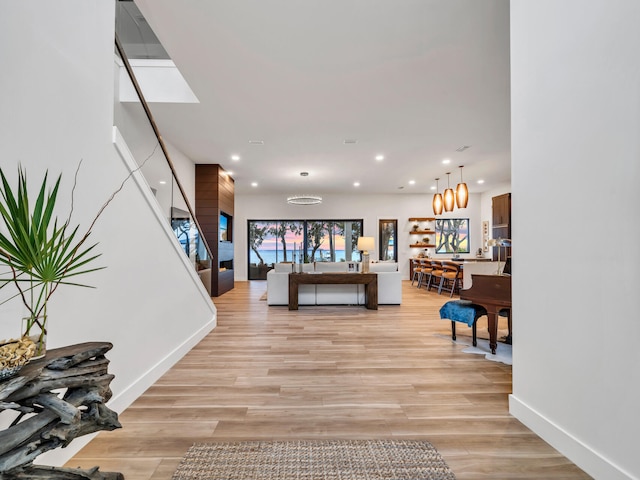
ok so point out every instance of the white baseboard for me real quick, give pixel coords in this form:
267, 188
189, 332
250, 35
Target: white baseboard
122, 400
579, 453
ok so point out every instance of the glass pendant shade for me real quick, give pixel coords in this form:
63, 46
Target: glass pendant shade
462, 195
449, 197
437, 201
462, 192
437, 204
449, 200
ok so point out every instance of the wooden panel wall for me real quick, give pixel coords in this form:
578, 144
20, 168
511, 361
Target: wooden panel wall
215, 195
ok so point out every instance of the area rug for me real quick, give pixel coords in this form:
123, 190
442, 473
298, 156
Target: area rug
314, 460
504, 352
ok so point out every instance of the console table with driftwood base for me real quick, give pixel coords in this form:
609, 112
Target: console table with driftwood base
45, 420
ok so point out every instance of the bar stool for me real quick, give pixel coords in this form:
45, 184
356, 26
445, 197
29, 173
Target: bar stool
427, 269
417, 270
451, 278
436, 273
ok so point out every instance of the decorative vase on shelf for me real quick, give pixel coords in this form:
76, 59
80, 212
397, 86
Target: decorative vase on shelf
416, 227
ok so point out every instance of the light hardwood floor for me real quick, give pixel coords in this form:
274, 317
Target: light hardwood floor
330, 372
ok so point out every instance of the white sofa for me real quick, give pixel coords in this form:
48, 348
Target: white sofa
389, 285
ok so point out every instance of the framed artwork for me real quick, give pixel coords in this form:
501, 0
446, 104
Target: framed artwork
388, 239
485, 236
452, 235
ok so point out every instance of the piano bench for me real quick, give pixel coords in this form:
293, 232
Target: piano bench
462, 311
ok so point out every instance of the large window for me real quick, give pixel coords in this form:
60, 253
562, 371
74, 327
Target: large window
388, 239
452, 235
275, 241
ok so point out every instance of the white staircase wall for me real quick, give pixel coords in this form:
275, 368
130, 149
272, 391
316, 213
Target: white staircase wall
56, 93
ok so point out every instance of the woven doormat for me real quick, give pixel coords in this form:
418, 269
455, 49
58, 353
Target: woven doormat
314, 460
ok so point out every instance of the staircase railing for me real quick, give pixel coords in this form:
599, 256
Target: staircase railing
135, 121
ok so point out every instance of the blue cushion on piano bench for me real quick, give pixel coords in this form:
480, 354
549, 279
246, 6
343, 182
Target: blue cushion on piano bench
462, 311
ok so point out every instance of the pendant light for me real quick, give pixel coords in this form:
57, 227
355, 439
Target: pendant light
437, 201
462, 192
449, 197
304, 199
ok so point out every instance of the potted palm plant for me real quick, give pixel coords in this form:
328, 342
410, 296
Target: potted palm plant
38, 252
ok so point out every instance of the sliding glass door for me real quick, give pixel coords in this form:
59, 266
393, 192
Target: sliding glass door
275, 241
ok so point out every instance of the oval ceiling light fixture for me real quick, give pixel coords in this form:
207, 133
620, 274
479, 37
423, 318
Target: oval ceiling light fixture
449, 197
462, 192
254, 184
446, 161
304, 199
235, 158
379, 157
480, 181
437, 201
412, 182
356, 184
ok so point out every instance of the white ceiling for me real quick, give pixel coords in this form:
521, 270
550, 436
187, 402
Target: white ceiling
410, 79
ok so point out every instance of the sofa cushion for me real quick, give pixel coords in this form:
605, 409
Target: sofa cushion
283, 267
332, 266
383, 267
286, 267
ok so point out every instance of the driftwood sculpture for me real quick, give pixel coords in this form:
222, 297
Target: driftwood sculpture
45, 420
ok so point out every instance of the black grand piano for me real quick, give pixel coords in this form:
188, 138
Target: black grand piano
493, 292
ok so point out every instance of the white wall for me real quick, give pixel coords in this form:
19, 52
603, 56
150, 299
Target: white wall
56, 92
575, 176
370, 208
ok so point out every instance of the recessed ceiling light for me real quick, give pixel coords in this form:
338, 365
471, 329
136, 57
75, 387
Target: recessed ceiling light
433, 187
235, 157
446, 161
254, 184
412, 182
379, 157
162, 182
256, 142
480, 182
356, 184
